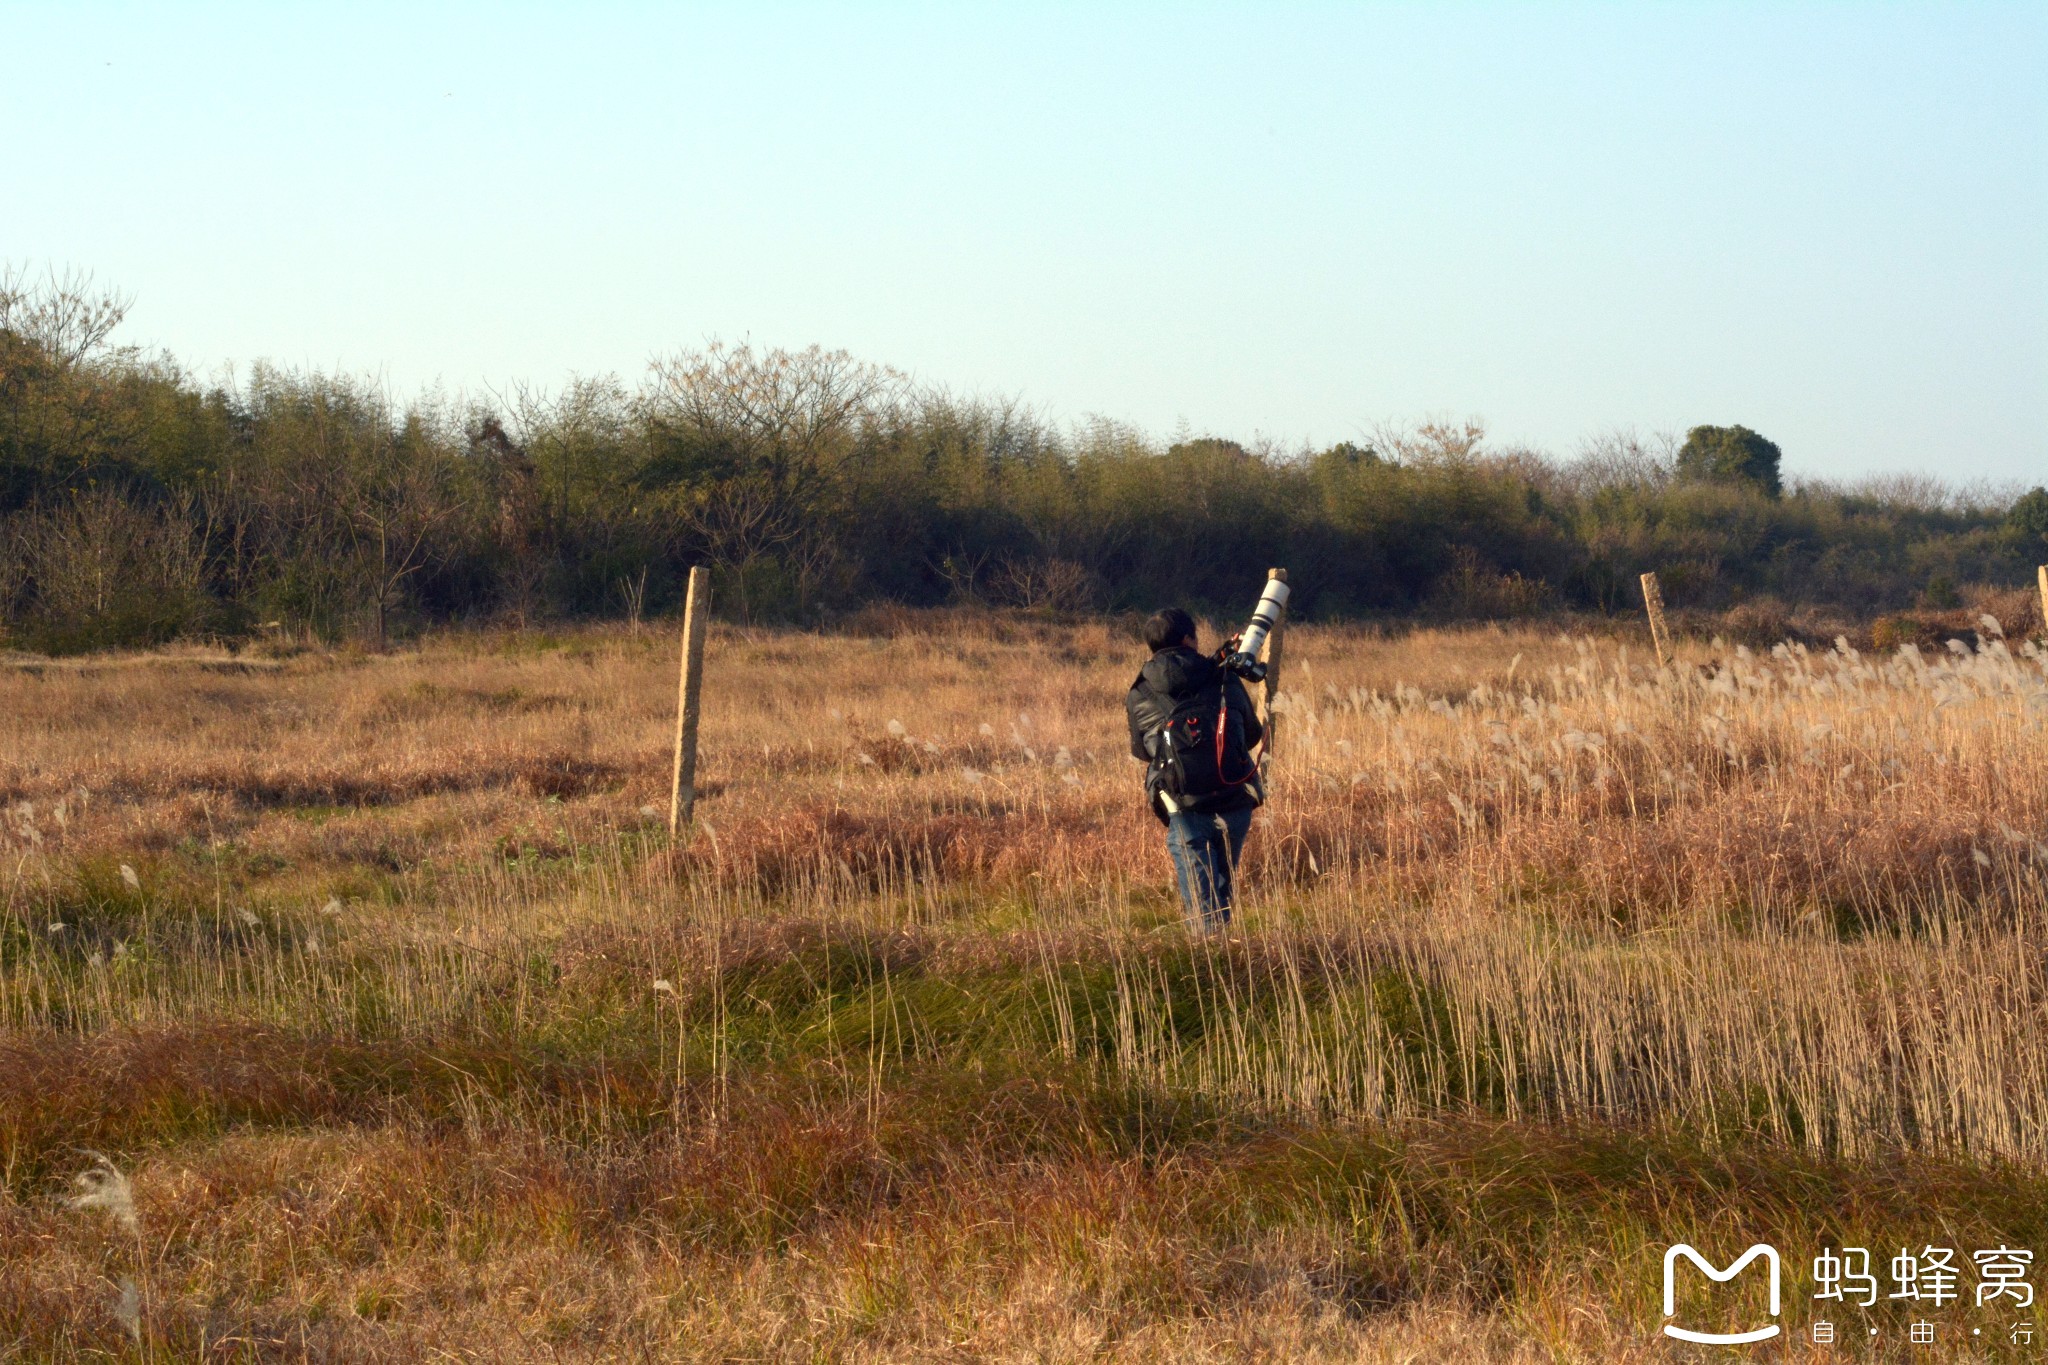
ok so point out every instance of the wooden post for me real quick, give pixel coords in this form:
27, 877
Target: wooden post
1269, 654
2044, 594
1653, 603
689, 689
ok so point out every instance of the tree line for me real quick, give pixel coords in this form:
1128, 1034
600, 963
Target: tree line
138, 504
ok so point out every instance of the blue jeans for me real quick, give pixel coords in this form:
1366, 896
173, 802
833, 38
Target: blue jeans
1205, 849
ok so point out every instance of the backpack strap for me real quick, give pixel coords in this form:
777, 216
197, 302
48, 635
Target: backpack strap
1222, 733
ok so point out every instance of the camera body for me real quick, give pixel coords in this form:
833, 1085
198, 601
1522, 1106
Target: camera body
1243, 665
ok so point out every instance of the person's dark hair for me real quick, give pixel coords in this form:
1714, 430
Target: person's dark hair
1166, 628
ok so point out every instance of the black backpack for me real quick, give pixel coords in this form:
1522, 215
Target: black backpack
1198, 755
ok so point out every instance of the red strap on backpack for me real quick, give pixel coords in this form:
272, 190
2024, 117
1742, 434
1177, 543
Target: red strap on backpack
1222, 726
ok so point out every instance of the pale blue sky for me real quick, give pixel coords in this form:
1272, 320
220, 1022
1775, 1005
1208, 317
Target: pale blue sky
1823, 221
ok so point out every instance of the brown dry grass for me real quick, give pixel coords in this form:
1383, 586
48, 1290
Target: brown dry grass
1545, 955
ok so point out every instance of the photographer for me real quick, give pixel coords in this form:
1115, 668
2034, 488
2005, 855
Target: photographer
1193, 722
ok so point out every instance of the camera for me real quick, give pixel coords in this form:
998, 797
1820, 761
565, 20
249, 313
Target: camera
1241, 653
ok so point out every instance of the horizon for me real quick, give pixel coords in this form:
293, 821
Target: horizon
1818, 223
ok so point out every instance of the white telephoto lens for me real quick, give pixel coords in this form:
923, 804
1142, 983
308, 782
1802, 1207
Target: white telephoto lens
1263, 617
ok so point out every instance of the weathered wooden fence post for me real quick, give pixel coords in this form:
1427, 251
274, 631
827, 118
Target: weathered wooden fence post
1653, 603
1269, 653
689, 689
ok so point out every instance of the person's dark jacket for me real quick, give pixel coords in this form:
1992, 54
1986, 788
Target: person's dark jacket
1170, 675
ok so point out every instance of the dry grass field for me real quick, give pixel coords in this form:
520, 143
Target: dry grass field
359, 1008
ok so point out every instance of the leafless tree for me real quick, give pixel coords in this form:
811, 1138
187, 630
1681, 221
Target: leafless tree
64, 315
1436, 441
393, 515
1049, 584
1622, 458
97, 553
633, 592
776, 430
962, 572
